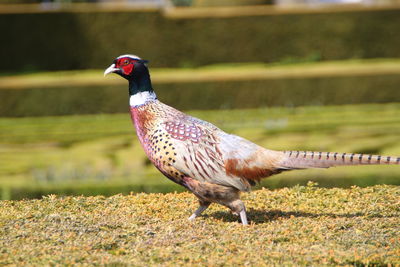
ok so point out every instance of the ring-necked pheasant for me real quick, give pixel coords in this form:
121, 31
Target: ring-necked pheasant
214, 165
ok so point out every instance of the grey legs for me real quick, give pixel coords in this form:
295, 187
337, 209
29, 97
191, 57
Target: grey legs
203, 207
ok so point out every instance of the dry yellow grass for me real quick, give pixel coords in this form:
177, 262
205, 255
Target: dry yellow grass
300, 226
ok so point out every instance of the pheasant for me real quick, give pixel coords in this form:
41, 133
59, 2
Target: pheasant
215, 166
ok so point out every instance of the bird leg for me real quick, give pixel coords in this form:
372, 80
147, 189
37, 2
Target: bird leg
238, 208
243, 217
203, 206
224, 195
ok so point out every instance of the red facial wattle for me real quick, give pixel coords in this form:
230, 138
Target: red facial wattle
125, 65
127, 69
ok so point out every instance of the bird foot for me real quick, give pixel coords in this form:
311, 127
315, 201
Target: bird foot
198, 212
192, 217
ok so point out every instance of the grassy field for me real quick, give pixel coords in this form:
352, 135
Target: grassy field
100, 154
300, 226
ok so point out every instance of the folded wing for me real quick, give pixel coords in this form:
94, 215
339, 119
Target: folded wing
208, 154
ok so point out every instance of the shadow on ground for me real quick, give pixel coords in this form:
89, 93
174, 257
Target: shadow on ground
265, 216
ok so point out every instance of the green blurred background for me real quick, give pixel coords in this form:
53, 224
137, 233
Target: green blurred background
301, 75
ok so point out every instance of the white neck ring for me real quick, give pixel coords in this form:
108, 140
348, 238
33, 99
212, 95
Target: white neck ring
141, 98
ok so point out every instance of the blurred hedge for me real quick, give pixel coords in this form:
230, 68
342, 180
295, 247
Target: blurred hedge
37, 191
30, 191
77, 40
208, 95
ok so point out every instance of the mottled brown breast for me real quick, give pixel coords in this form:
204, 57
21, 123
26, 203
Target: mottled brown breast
149, 122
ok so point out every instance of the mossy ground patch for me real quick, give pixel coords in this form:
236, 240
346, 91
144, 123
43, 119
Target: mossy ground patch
299, 226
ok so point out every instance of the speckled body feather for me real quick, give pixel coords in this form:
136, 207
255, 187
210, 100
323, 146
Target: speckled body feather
181, 146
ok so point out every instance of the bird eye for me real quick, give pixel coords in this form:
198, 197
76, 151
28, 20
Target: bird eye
126, 62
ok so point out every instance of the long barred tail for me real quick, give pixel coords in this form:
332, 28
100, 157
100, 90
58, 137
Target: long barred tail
310, 159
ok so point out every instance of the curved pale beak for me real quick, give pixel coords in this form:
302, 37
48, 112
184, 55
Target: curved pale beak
110, 69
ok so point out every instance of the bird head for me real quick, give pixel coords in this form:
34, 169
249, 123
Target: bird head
126, 66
